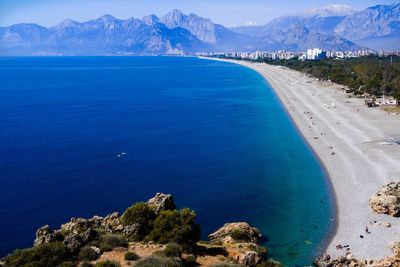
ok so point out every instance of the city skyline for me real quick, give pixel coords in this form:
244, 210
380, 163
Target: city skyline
228, 13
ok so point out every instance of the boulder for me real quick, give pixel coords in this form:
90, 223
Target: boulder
96, 249
89, 235
387, 200
236, 232
45, 235
327, 261
350, 261
395, 247
249, 258
132, 231
75, 225
161, 202
73, 241
112, 223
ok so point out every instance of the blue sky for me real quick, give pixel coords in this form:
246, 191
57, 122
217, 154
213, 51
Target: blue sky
226, 12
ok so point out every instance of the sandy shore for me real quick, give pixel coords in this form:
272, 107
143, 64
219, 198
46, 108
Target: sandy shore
365, 156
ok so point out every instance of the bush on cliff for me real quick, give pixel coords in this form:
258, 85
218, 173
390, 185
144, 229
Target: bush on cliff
158, 260
173, 250
176, 226
239, 235
270, 263
107, 242
52, 254
142, 216
107, 264
87, 254
131, 256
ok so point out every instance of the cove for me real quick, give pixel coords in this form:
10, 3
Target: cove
211, 133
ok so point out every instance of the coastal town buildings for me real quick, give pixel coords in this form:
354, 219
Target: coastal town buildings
316, 53
310, 54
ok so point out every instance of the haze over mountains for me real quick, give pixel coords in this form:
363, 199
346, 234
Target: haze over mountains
376, 27
336, 27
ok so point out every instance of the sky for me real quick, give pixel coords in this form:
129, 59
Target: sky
230, 13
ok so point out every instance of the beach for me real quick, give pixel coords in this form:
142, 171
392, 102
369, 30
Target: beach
358, 146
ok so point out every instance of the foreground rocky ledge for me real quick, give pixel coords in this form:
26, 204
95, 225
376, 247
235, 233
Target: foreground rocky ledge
351, 261
152, 233
387, 200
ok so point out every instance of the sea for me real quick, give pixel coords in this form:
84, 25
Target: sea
85, 136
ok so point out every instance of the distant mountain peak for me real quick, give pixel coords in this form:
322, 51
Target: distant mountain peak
376, 21
176, 12
107, 17
202, 28
330, 10
67, 23
151, 19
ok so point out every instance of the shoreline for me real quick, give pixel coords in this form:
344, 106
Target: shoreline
354, 145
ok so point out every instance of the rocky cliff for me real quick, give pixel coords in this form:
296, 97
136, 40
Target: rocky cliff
152, 233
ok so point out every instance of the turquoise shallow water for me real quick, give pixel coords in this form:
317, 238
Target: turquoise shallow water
212, 133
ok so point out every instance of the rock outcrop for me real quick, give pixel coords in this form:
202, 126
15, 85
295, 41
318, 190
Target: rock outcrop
161, 202
387, 200
249, 258
243, 239
45, 235
236, 232
79, 231
349, 260
109, 238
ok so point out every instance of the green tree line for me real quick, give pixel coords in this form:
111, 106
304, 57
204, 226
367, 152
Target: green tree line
373, 75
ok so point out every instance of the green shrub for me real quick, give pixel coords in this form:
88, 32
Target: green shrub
51, 254
173, 226
67, 264
239, 235
270, 263
159, 261
173, 250
107, 242
87, 254
227, 265
142, 216
397, 97
131, 256
86, 264
190, 261
107, 264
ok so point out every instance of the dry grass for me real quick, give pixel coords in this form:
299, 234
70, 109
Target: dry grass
392, 109
208, 254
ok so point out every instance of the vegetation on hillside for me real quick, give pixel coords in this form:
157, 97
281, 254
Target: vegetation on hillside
372, 75
177, 227
175, 233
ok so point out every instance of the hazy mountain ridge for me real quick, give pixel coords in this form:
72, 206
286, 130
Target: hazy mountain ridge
299, 37
204, 29
374, 22
329, 27
103, 35
373, 26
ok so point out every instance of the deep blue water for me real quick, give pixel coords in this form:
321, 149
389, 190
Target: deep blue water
212, 133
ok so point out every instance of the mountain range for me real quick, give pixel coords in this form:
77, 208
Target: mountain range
376, 27
337, 27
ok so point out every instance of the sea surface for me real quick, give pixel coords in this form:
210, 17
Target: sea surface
213, 134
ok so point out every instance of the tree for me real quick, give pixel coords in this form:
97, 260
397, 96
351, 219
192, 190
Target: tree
142, 216
173, 226
397, 97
